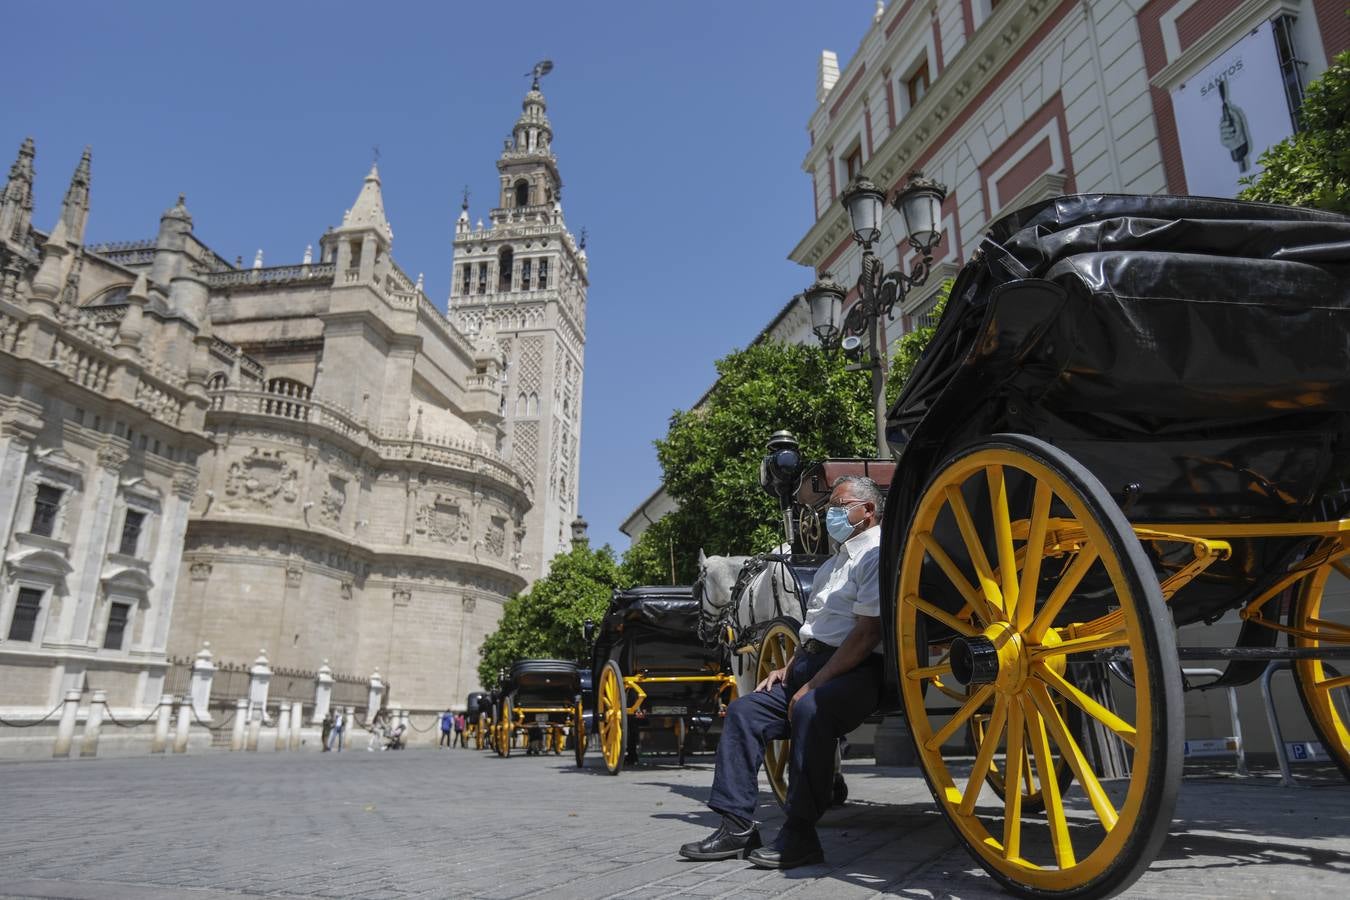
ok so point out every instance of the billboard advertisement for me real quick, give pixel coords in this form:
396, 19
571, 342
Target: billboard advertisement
1229, 112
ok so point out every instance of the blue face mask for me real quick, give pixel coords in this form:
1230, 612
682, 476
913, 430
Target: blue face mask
837, 523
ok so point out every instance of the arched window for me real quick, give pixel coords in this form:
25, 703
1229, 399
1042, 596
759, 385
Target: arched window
218, 382
533, 408
522, 193
505, 263
112, 296
520, 404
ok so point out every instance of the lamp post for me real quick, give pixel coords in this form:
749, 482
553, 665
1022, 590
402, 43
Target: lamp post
919, 204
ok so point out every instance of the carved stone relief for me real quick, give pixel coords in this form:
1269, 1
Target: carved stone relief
333, 501
443, 520
201, 571
495, 538
470, 603
260, 479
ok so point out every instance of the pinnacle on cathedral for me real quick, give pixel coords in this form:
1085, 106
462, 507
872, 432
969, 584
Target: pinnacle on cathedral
368, 210
16, 203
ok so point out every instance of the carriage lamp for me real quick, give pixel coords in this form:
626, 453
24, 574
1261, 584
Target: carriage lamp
919, 204
825, 300
780, 472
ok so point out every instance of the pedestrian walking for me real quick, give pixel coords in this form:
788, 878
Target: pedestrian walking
447, 725
327, 729
335, 734
459, 730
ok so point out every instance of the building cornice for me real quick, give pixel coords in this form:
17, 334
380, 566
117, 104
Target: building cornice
996, 43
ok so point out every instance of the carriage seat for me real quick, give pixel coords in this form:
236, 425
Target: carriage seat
544, 671
668, 607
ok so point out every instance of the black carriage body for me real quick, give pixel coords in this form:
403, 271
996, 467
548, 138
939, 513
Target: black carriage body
653, 631
536, 683
1192, 353
476, 704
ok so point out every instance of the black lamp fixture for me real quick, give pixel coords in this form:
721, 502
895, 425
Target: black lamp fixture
919, 204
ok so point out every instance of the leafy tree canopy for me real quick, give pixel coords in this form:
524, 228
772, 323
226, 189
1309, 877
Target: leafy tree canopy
546, 621
912, 346
1312, 168
710, 456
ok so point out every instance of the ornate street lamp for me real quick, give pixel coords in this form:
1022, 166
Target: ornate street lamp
919, 204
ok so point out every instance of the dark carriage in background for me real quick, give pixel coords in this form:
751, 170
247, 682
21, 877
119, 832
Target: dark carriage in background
544, 696
477, 719
651, 670
1134, 415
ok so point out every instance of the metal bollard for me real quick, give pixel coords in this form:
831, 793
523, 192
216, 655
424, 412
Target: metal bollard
283, 727
180, 737
97, 706
240, 720
65, 731
297, 718
162, 724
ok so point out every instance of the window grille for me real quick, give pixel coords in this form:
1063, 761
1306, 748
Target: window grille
118, 614
24, 622
45, 507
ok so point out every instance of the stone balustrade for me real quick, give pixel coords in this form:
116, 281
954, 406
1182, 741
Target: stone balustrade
272, 275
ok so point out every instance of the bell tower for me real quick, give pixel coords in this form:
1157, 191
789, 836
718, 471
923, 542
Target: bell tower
522, 280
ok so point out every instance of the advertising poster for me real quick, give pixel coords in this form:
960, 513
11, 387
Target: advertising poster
1229, 112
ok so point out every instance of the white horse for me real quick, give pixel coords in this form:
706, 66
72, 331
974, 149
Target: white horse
744, 593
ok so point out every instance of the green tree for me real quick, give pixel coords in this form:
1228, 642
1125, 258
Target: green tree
546, 621
710, 456
912, 346
1312, 168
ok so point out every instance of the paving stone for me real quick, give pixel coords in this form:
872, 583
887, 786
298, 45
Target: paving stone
466, 824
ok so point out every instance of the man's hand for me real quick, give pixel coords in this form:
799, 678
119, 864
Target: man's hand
771, 679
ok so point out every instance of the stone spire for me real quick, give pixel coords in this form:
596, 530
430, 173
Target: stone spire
75, 207
16, 203
368, 210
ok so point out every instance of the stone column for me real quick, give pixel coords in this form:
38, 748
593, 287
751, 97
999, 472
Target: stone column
97, 706
240, 719
297, 719
349, 730
89, 543
203, 672
260, 676
283, 727
254, 730
65, 730
323, 694
162, 724
374, 697
180, 737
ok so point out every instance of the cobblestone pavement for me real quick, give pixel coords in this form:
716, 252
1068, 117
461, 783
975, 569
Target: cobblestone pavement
427, 823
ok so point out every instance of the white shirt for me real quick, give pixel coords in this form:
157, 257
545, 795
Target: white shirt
845, 587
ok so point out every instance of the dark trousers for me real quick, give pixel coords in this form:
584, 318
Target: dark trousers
459, 739
445, 740
818, 721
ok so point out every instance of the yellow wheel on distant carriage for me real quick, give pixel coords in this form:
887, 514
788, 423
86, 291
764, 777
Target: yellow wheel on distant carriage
775, 650
1009, 543
612, 710
480, 732
579, 736
1324, 689
559, 735
506, 729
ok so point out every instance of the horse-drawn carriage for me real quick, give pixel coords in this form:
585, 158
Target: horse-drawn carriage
1134, 416
651, 670
477, 719
540, 697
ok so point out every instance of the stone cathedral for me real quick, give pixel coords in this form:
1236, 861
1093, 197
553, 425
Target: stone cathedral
305, 459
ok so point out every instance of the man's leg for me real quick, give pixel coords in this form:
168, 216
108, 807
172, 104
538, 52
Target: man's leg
751, 722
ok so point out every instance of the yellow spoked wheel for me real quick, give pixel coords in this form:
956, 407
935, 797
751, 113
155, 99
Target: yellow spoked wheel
1033, 798
775, 649
1015, 561
506, 729
480, 732
579, 735
559, 735
612, 710
1325, 691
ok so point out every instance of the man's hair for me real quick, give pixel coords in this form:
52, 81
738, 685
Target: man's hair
864, 488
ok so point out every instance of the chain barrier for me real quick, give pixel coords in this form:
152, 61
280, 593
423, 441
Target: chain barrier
422, 730
56, 709
209, 727
107, 711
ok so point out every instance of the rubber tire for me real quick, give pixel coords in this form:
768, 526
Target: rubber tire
1166, 711
579, 736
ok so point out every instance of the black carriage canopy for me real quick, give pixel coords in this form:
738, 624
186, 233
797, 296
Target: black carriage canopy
1193, 349
544, 675
666, 608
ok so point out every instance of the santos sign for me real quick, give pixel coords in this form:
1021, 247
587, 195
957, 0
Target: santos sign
1229, 112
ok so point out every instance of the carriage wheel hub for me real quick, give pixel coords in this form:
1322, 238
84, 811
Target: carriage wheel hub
995, 657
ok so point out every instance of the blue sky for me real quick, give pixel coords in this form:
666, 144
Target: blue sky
680, 130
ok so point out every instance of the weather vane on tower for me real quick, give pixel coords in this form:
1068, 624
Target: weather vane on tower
541, 68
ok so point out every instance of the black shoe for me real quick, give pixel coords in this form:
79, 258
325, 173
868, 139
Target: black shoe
724, 843
792, 848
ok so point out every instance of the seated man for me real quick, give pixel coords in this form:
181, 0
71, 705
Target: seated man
829, 686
